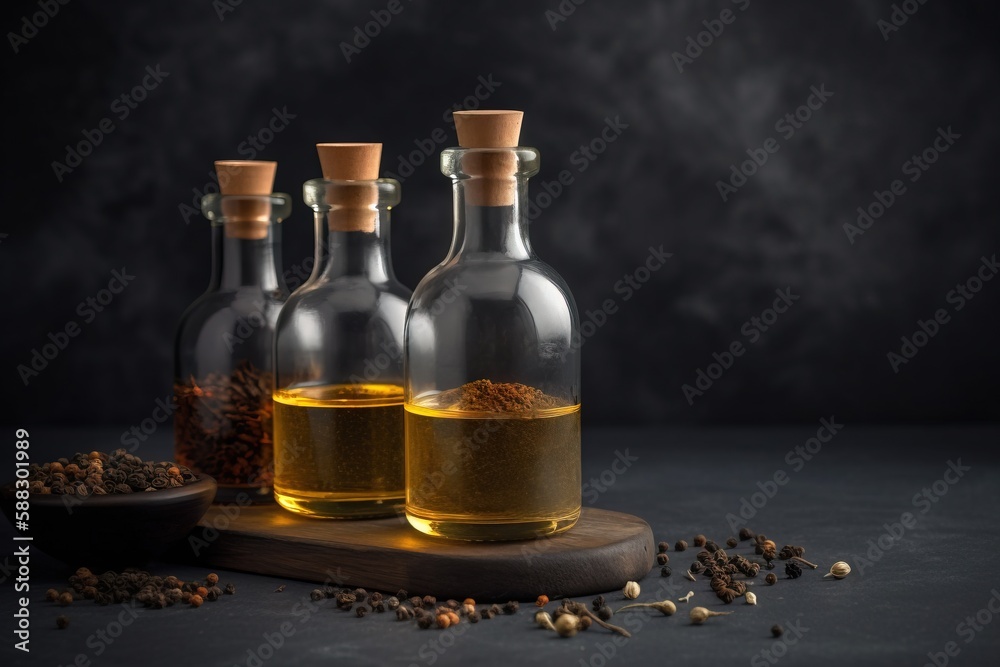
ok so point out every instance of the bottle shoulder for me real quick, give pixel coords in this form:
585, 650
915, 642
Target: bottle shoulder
527, 280
352, 297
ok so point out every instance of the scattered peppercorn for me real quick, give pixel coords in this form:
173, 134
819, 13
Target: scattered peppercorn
403, 613
777, 630
429, 601
392, 603
699, 540
665, 571
212, 579
793, 570
361, 610
496, 610
511, 607
662, 559
196, 600
598, 602
425, 621
746, 534
771, 579
360, 594
542, 600
65, 599
605, 613
486, 614
402, 594
62, 622
416, 602
317, 594
711, 547
681, 545
662, 547
732, 542
52, 595
727, 595
230, 589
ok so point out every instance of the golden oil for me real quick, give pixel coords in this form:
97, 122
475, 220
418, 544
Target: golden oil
338, 450
492, 475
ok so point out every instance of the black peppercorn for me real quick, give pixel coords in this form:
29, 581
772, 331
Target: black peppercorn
361, 610
696, 567
375, 597
401, 594
416, 602
699, 540
662, 559
662, 547
392, 603
62, 622
486, 614
771, 579
727, 595
732, 542
511, 607
496, 610
403, 613
711, 547
793, 570
777, 630
425, 621
681, 545
665, 571
360, 594
473, 618
605, 613
429, 601
230, 589
746, 534
598, 602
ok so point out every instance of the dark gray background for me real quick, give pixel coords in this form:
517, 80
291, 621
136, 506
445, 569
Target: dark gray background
654, 185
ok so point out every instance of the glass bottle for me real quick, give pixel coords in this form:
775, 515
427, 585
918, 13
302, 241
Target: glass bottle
492, 383
339, 394
225, 340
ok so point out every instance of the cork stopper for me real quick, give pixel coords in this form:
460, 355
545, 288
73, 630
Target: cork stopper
492, 181
246, 218
353, 205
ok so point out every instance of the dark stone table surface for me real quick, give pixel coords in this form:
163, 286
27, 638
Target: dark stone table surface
913, 509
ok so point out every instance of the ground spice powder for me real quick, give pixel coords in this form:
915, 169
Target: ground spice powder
488, 396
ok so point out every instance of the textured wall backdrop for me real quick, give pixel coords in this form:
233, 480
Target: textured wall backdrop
686, 111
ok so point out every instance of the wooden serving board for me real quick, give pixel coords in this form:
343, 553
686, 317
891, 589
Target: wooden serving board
600, 553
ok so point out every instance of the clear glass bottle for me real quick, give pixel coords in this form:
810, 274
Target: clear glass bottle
225, 340
492, 383
339, 385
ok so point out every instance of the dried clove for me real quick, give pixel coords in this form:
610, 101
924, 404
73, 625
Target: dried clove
665, 607
699, 615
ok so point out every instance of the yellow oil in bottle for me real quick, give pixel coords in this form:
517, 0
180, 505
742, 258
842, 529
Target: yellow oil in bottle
492, 476
338, 450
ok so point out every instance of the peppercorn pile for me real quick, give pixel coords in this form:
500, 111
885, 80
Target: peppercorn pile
723, 569
100, 474
151, 591
426, 610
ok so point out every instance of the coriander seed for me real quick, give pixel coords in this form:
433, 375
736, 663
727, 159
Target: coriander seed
699, 615
838, 570
751, 597
631, 590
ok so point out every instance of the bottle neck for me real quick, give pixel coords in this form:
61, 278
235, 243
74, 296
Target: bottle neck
356, 253
490, 230
242, 262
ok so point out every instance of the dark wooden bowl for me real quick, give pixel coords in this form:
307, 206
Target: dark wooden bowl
112, 531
